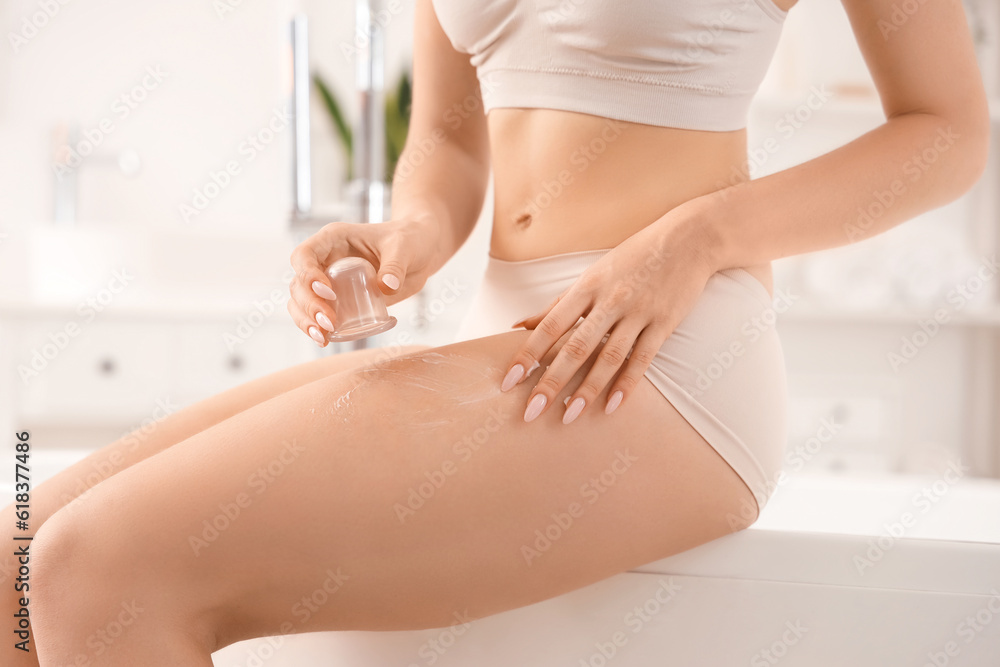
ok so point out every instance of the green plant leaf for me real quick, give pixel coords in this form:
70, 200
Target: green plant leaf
405, 93
341, 126
397, 123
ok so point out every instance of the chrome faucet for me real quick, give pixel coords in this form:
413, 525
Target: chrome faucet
301, 163
369, 135
368, 191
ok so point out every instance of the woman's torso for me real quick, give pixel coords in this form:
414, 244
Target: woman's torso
566, 181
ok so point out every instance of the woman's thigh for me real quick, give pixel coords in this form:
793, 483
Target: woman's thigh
76, 480
401, 496
142, 443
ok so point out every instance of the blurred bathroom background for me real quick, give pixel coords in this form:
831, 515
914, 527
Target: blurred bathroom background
146, 220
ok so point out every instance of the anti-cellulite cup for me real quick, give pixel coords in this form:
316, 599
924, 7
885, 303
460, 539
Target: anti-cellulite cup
359, 306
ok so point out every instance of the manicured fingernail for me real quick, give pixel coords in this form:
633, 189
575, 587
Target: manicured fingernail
323, 291
518, 323
324, 322
316, 336
616, 398
531, 370
534, 407
513, 375
390, 281
574, 410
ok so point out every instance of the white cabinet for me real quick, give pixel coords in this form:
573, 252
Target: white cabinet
111, 369
64, 376
211, 358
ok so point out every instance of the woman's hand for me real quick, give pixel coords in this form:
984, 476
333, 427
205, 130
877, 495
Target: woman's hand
404, 252
637, 294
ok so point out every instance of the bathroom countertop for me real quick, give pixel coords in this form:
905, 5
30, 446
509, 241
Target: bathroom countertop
926, 506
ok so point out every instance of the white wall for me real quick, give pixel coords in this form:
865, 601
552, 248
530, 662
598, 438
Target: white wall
223, 80
227, 71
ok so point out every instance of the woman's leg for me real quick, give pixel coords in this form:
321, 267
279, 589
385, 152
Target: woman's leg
389, 499
64, 487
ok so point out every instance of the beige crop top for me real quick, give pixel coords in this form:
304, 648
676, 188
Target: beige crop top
691, 64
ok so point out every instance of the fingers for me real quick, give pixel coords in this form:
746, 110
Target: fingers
558, 321
623, 355
643, 352
310, 289
321, 311
612, 355
392, 266
306, 323
571, 356
389, 246
313, 252
312, 283
315, 316
626, 351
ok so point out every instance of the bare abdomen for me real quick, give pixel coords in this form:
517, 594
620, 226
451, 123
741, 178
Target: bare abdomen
567, 181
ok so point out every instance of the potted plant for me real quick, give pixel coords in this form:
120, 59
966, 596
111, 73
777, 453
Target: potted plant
397, 122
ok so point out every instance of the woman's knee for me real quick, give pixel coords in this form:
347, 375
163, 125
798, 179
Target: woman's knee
63, 575
88, 564
74, 557
52, 551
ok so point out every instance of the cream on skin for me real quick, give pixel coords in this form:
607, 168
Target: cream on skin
458, 379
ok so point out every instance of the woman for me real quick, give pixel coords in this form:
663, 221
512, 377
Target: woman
613, 138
